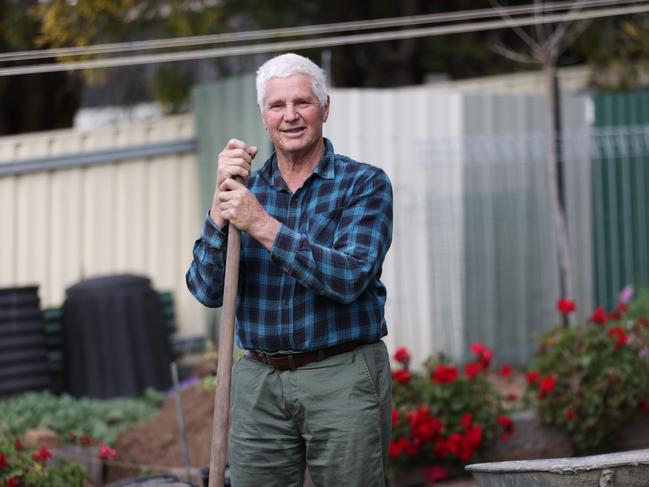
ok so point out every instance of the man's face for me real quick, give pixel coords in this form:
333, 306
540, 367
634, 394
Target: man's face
293, 115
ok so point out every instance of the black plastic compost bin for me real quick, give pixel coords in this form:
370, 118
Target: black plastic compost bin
115, 343
24, 365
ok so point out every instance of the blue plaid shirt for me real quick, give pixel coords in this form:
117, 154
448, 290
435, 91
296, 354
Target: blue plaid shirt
320, 284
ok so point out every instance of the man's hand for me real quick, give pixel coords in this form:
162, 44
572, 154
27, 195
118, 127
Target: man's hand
235, 160
242, 209
233, 202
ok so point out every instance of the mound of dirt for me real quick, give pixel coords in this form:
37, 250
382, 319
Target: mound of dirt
154, 447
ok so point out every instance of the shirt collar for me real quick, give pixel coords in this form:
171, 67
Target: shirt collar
325, 168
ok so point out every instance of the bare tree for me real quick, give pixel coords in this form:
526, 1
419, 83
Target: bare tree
545, 44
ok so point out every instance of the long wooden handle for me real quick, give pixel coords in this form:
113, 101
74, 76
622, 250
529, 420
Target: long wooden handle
218, 457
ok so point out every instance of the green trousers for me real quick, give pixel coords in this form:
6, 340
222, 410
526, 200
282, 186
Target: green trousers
333, 416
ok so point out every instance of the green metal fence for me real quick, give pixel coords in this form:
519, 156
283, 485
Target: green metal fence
620, 200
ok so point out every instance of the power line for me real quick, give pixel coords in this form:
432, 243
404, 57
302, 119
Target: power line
321, 42
296, 31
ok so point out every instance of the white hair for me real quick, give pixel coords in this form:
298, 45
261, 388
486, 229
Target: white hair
286, 65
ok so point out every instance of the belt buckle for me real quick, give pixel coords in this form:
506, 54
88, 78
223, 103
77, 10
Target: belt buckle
264, 356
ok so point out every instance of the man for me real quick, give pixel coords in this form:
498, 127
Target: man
314, 388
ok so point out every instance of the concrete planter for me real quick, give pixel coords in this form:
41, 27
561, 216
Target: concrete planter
627, 469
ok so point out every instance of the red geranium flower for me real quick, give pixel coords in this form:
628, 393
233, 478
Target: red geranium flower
397, 447
620, 310
483, 353
599, 316
401, 376
413, 446
3, 461
402, 355
565, 306
106, 452
569, 414
506, 370
472, 369
511, 397
472, 438
424, 426
85, 439
547, 385
19, 445
42, 454
444, 374
466, 420
395, 417
434, 473
620, 336
13, 482
644, 406
507, 425
533, 377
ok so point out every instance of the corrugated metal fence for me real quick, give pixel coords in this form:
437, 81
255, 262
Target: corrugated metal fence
118, 199
472, 256
621, 182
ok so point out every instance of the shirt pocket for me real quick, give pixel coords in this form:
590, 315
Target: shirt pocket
322, 227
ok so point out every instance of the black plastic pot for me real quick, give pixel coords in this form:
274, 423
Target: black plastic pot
24, 365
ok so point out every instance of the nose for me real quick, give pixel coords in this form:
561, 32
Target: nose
290, 113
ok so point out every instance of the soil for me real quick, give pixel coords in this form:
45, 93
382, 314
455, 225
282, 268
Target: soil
154, 447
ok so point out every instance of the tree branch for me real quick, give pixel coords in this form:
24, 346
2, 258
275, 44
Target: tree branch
541, 33
559, 33
572, 35
521, 33
499, 48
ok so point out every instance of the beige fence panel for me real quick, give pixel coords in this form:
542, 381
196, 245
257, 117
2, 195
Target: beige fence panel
138, 215
383, 127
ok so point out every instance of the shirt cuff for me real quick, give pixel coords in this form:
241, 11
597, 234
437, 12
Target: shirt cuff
285, 245
213, 235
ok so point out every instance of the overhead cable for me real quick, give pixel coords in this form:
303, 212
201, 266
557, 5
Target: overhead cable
301, 31
220, 52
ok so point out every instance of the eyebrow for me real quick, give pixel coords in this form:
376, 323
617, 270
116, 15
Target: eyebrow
276, 101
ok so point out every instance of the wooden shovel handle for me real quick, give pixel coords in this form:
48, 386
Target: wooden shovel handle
219, 453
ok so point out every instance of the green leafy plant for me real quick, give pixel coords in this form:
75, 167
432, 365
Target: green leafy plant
21, 466
444, 416
100, 420
589, 379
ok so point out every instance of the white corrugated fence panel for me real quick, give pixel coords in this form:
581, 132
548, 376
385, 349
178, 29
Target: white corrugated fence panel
383, 128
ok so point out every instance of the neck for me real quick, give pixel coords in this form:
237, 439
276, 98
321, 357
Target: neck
296, 166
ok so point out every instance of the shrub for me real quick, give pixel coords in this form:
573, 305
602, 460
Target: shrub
589, 379
443, 417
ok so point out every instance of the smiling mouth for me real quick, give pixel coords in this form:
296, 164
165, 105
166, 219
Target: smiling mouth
293, 131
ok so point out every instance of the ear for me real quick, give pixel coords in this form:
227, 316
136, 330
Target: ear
325, 110
261, 115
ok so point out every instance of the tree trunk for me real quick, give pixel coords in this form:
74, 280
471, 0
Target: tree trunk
555, 182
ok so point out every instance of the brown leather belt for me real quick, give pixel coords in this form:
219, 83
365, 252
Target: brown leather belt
292, 361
